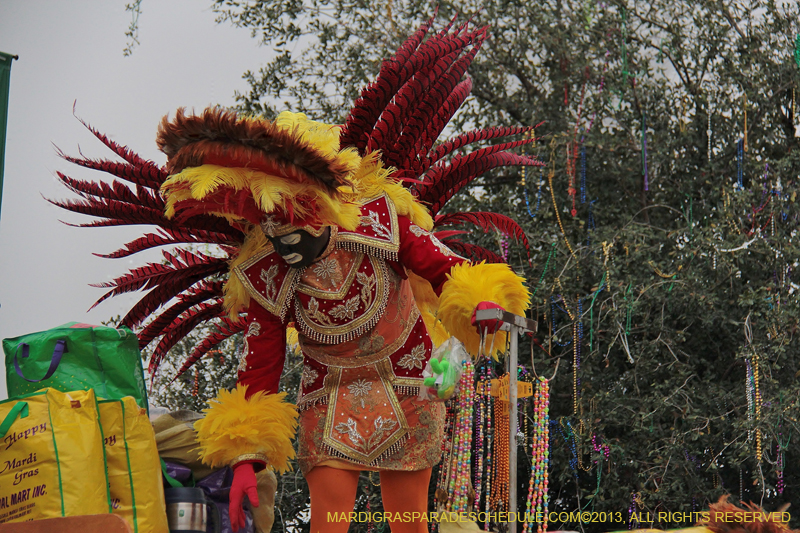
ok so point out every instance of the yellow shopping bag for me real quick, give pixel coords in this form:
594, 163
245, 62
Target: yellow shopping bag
134, 468
52, 461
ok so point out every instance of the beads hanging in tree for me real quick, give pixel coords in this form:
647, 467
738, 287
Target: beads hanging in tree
583, 173
744, 127
644, 151
708, 129
505, 247
740, 160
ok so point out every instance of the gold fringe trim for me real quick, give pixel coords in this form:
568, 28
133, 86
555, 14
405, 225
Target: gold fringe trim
391, 450
336, 338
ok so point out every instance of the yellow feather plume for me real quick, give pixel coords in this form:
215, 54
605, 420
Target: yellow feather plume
235, 425
428, 304
324, 137
467, 286
236, 296
270, 193
371, 179
293, 340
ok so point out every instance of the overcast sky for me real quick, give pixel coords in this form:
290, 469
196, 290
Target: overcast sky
72, 52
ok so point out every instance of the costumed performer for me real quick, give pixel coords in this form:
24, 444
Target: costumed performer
329, 230
340, 273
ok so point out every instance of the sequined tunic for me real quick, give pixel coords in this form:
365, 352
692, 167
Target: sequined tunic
363, 341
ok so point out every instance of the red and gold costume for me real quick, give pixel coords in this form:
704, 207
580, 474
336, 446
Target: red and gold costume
371, 306
363, 341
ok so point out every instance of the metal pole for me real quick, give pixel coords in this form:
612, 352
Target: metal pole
512, 427
515, 325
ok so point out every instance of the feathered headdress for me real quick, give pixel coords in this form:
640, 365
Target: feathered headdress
229, 176
274, 174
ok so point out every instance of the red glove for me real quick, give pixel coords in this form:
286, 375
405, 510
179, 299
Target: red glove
244, 482
493, 325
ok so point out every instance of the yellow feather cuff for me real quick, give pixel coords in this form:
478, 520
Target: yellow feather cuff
235, 425
467, 286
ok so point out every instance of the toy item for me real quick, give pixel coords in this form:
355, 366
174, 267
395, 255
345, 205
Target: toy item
443, 371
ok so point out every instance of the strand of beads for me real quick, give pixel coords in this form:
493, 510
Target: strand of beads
505, 245
576, 367
600, 447
583, 173
196, 386
708, 129
478, 444
779, 464
462, 442
538, 500
644, 151
490, 429
750, 396
441, 496
532, 214
757, 401
500, 461
633, 523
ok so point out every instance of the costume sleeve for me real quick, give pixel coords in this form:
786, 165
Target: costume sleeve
425, 255
460, 285
264, 351
253, 422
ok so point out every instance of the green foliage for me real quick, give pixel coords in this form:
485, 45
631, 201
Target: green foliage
674, 290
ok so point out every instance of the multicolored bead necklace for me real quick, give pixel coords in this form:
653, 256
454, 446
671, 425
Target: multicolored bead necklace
538, 499
461, 458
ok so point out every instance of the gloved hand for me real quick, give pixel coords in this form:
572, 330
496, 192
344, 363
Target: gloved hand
492, 325
244, 482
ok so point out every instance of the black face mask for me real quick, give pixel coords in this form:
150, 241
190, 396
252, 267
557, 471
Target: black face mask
299, 249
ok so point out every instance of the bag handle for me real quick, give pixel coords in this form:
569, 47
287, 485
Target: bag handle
174, 483
21, 410
59, 350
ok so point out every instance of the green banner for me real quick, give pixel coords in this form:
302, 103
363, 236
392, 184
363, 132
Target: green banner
5, 78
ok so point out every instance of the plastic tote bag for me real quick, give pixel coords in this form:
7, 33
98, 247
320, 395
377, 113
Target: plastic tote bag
134, 468
76, 357
52, 462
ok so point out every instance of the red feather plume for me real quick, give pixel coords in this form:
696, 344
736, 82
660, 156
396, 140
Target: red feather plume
473, 252
488, 222
180, 327
225, 329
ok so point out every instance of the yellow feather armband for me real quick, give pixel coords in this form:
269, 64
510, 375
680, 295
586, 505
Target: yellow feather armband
234, 426
467, 286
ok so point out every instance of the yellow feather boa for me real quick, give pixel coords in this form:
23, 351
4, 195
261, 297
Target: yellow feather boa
467, 286
235, 425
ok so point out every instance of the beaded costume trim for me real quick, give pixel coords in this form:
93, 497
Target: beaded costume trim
383, 353
378, 233
326, 326
279, 281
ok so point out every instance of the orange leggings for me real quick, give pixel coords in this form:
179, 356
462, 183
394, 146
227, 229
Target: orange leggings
334, 491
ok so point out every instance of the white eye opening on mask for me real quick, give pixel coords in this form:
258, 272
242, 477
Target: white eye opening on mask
292, 238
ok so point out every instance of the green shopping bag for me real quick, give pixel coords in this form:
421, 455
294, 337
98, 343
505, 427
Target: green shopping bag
76, 356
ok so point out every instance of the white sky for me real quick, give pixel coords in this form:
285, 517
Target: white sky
72, 52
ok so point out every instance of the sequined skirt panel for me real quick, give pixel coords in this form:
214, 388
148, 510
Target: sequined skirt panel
421, 450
